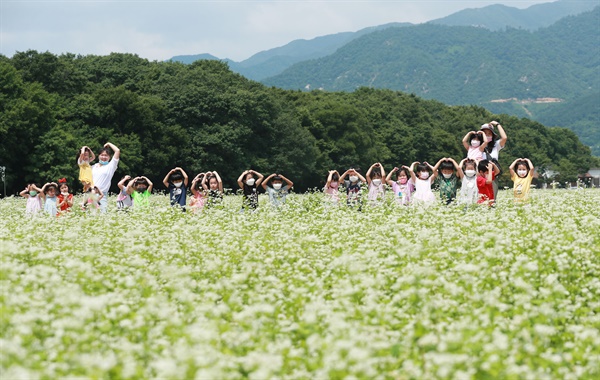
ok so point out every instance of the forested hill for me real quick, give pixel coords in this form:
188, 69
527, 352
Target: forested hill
468, 65
204, 117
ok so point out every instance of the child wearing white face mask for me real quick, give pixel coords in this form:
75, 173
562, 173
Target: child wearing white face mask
422, 180
475, 143
275, 188
353, 186
375, 176
177, 181
403, 186
332, 187
213, 186
249, 186
448, 181
468, 191
522, 178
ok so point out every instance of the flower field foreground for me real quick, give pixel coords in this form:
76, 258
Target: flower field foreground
308, 291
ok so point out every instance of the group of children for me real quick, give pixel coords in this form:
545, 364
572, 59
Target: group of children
414, 184
410, 185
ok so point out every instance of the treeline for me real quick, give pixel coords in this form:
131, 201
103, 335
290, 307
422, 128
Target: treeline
204, 117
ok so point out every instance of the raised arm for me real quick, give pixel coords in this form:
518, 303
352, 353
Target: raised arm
194, 181
260, 177
382, 169
185, 176
114, 148
511, 168
488, 176
458, 167
530, 166
121, 183
388, 179
496, 169
264, 183
485, 142
130, 185
369, 173
219, 181
166, 179
434, 169
150, 184
240, 179
503, 136
289, 183
203, 183
329, 176
411, 170
25, 192
346, 173
465, 140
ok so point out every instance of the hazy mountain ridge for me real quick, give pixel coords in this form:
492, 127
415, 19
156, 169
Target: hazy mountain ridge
468, 65
498, 17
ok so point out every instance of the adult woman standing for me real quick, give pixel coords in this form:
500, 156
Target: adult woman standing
103, 171
495, 144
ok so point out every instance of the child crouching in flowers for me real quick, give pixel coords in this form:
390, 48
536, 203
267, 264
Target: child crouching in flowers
34, 200
91, 201
402, 186
522, 178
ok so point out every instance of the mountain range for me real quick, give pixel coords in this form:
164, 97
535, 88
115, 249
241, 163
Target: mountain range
509, 64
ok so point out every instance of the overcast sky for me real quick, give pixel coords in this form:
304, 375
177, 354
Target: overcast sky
158, 30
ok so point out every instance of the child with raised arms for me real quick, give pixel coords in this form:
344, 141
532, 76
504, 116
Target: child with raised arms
403, 186
34, 200
475, 143
332, 185
249, 181
176, 181
376, 186
198, 195
487, 173
353, 188
84, 159
213, 186
275, 188
468, 191
140, 189
522, 177
48, 195
422, 179
124, 200
448, 181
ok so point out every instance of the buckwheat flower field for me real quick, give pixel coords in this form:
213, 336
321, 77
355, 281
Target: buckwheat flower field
306, 291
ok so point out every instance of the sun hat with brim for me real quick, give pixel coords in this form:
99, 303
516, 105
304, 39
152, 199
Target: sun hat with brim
488, 126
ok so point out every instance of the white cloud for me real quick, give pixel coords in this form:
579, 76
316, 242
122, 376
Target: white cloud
227, 29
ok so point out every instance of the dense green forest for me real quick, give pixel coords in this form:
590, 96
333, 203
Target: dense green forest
469, 65
205, 117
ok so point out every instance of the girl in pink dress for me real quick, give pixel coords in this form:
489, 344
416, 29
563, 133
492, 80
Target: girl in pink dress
331, 189
403, 186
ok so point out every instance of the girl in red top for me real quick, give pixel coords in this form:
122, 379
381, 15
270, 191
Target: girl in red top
65, 199
487, 173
